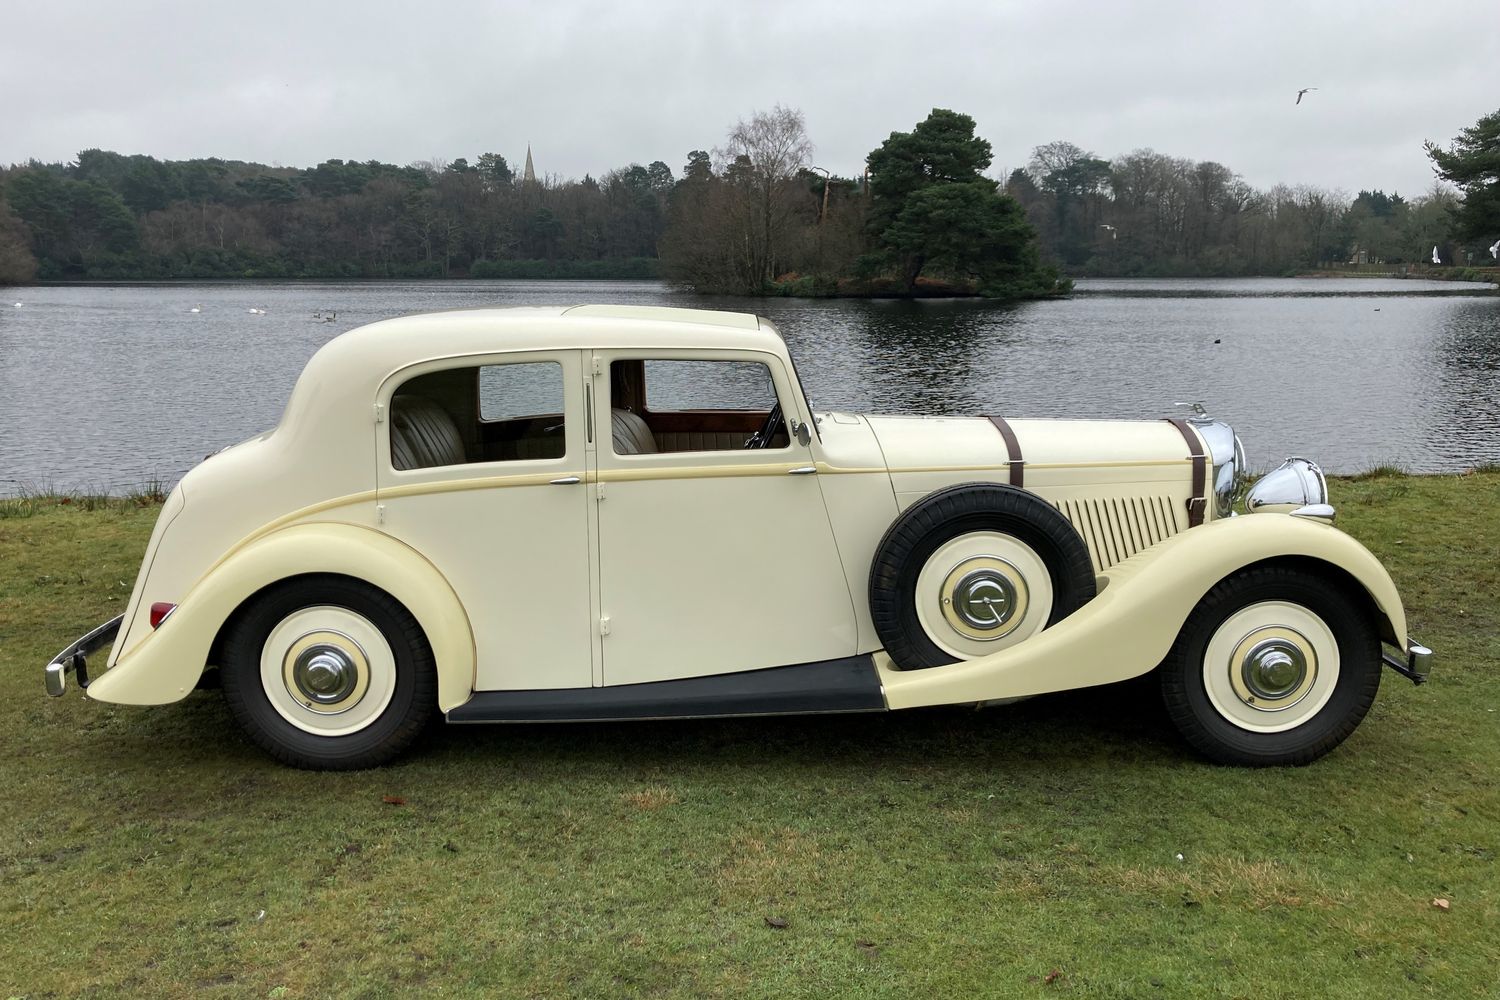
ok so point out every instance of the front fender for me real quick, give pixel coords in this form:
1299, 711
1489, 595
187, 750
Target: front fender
166, 665
1143, 602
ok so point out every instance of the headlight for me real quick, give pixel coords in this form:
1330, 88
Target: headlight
1227, 456
1295, 483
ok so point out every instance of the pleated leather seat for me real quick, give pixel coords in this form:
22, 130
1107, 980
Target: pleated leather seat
630, 433
423, 435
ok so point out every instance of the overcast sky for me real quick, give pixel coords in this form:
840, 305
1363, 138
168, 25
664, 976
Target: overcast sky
592, 86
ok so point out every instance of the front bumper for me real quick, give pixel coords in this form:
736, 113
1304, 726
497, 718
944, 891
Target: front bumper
1417, 664
74, 659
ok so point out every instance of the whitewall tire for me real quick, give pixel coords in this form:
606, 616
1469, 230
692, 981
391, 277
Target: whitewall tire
327, 672
1277, 665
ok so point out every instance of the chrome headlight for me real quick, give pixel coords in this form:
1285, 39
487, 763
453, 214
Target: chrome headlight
1227, 456
1295, 483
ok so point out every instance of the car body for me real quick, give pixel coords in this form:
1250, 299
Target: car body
608, 512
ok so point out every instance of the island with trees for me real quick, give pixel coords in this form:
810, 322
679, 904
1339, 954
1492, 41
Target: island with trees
926, 215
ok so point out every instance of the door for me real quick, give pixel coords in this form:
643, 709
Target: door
713, 558
482, 468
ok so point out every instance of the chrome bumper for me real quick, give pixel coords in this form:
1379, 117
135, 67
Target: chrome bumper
75, 657
1418, 662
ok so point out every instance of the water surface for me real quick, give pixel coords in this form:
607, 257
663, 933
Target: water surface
109, 386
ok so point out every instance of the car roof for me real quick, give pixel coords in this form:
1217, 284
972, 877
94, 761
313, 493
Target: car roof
396, 343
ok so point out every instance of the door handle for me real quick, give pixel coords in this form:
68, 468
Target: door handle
804, 470
565, 481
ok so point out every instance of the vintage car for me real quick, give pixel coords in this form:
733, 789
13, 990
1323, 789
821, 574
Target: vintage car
607, 512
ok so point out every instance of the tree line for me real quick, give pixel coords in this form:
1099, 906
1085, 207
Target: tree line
1146, 213
754, 215
110, 215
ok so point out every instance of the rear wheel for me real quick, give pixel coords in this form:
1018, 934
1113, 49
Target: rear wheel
1274, 666
329, 673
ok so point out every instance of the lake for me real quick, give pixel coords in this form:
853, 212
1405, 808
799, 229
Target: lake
108, 386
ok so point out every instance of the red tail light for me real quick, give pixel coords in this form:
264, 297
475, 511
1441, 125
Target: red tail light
159, 612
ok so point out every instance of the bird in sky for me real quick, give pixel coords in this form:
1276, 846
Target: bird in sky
1301, 92
1495, 249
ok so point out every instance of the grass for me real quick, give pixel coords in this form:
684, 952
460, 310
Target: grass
1066, 846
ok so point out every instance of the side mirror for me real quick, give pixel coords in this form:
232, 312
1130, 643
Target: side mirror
801, 432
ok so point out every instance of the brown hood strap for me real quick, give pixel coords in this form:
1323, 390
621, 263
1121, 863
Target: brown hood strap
1198, 502
1012, 450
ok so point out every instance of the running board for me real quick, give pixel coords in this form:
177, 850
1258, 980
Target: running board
848, 685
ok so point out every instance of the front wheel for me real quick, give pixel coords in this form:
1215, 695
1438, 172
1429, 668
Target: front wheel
1275, 666
329, 673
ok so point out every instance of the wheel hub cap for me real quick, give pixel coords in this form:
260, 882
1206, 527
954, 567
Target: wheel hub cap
984, 598
1273, 668
323, 673
326, 672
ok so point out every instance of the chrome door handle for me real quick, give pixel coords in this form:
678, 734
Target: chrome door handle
565, 481
804, 470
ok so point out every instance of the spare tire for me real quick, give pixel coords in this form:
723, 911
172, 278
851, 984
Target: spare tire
974, 568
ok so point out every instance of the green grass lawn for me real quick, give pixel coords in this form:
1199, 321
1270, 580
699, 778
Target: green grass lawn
1068, 845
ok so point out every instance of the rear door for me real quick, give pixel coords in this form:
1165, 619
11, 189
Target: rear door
501, 510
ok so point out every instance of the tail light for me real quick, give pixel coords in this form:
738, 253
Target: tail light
159, 612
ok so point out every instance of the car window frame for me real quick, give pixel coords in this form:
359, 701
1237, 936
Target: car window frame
571, 362
790, 400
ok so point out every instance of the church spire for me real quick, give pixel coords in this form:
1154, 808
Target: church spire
528, 176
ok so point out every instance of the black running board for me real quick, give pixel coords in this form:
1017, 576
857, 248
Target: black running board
848, 685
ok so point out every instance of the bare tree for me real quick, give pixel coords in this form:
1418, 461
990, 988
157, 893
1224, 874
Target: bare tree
763, 159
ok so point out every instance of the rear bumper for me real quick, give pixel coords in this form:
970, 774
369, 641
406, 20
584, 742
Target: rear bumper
1417, 664
74, 659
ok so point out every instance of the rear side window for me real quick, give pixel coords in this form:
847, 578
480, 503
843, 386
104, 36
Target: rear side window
479, 413
526, 389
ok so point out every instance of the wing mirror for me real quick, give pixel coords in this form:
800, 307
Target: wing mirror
801, 432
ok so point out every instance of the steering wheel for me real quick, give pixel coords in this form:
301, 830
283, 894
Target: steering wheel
762, 438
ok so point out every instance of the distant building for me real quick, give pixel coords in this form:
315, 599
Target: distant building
528, 176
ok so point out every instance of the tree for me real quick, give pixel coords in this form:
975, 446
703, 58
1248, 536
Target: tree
1472, 163
942, 148
767, 153
17, 265
966, 229
932, 208
495, 171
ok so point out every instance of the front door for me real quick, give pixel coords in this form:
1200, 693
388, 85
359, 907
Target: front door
713, 558
481, 468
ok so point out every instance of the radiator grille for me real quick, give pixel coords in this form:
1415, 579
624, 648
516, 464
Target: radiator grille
1116, 528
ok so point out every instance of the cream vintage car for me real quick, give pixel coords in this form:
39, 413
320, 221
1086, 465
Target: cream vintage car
606, 512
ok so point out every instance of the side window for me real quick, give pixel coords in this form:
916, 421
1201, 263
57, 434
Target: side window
708, 385
518, 391
665, 405
478, 413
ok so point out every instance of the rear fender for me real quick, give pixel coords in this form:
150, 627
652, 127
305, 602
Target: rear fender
166, 665
1143, 602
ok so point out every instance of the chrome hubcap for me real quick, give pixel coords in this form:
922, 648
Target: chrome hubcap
324, 673
1273, 668
984, 599
327, 672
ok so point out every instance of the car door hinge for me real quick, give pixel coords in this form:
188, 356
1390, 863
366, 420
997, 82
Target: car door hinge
599, 491
380, 513
598, 367
604, 626
379, 413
